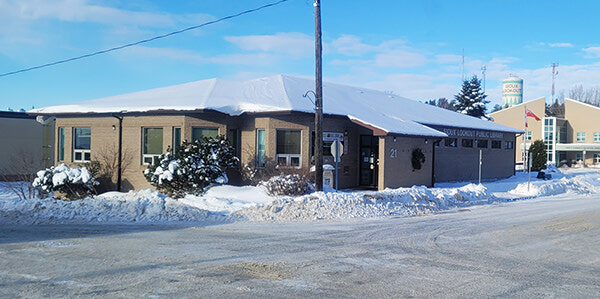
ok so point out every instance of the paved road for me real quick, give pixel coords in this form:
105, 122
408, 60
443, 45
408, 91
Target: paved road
529, 249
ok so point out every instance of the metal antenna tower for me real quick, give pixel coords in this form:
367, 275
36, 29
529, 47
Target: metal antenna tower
554, 73
483, 69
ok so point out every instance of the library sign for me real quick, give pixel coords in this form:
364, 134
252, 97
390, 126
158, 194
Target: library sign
473, 133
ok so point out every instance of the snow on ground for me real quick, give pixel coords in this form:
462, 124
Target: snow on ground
230, 203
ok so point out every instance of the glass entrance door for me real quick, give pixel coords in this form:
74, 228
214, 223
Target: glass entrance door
369, 146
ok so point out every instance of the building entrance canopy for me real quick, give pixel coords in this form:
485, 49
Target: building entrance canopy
578, 147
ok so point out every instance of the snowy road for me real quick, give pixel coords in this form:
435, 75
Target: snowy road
529, 249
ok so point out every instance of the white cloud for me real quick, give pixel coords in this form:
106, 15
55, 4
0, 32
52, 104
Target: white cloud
592, 52
400, 59
350, 45
295, 44
561, 45
81, 11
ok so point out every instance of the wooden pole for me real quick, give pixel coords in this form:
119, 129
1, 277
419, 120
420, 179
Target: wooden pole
319, 100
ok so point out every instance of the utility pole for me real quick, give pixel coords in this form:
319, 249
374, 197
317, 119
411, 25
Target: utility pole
319, 100
554, 73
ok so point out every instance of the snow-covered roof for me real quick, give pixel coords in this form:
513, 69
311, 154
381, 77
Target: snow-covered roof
390, 113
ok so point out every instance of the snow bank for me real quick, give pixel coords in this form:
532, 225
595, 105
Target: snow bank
144, 206
390, 202
582, 184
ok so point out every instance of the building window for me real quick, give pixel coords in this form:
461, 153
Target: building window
579, 157
260, 148
61, 144
82, 140
496, 144
482, 143
596, 158
450, 142
151, 145
233, 140
467, 142
176, 137
580, 136
198, 133
509, 145
596, 136
288, 148
529, 135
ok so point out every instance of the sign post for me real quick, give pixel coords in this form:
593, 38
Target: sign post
337, 150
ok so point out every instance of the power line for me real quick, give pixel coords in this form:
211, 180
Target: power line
145, 40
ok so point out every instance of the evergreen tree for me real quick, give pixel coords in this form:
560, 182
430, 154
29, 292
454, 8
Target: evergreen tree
471, 99
497, 107
538, 155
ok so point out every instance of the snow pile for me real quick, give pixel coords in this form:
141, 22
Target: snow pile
390, 202
580, 184
144, 206
226, 199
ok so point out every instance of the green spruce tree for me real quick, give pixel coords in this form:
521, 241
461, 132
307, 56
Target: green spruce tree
471, 99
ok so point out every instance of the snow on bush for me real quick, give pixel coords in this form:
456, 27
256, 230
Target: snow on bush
74, 183
192, 167
390, 202
290, 184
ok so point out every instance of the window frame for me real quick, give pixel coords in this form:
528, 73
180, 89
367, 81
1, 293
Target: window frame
596, 136
288, 158
60, 155
204, 128
467, 142
481, 143
448, 142
176, 138
152, 157
261, 155
580, 137
83, 152
498, 143
509, 144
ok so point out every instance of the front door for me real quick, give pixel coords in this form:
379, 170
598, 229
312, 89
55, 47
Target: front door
369, 147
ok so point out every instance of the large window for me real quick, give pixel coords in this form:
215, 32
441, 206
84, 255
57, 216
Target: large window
82, 140
260, 148
288, 148
596, 136
580, 136
198, 133
509, 145
482, 143
496, 144
528, 136
152, 142
596, 158
61, 144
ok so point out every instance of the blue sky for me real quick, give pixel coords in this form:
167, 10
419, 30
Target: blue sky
411, 48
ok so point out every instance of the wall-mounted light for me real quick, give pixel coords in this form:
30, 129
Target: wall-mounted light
426, 141
114, 127
346, 133
394, 138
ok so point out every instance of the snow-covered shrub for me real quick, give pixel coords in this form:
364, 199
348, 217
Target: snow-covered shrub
192, 166
290, 184
73, 183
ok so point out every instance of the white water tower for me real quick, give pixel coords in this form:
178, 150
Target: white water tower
512, 91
